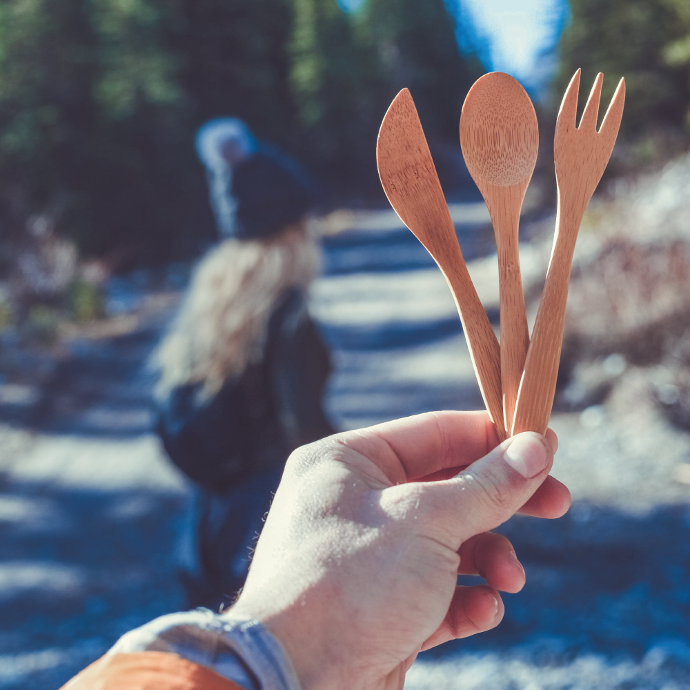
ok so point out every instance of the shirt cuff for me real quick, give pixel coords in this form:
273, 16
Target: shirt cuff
240, 649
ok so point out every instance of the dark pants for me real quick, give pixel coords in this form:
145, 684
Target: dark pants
220, 537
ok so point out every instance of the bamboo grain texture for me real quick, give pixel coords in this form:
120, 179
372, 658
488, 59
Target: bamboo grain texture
499, 136
410, 181
581, 155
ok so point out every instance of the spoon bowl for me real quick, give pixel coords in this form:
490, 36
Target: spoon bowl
499, 133
499, 136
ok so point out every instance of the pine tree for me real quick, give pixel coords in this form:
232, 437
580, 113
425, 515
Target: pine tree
237, 64
417, 48
328, 88
100, 100
640, 40
90, 109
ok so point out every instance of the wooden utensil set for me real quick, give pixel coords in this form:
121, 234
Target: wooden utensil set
500, 139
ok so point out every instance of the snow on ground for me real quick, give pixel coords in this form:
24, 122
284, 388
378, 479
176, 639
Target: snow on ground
538, 667
89, 508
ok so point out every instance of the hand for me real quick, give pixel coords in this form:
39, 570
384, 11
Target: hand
355, 571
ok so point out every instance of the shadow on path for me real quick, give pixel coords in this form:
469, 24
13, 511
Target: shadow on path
79, 568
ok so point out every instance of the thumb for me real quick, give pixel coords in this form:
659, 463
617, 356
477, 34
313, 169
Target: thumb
495, 487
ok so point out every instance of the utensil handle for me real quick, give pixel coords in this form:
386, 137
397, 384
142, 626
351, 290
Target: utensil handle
538, 385
481, 340
504, 204
514, 335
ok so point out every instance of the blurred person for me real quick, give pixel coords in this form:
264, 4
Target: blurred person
355, 572
254, 188
243, 369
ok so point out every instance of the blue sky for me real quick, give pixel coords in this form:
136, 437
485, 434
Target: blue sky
513, 36
518, 36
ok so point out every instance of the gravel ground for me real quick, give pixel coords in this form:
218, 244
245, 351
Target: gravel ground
89, 508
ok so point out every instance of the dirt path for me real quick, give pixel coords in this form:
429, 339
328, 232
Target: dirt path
89, 508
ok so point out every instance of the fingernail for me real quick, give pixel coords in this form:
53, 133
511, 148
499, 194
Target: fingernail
527, 455
514, 560
491, 597
552, 440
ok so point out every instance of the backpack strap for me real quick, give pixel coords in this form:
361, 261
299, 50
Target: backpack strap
148, 671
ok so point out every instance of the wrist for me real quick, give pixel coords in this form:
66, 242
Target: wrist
260, 650
303, 642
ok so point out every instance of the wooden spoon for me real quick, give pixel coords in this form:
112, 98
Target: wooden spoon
499, 136
409, 178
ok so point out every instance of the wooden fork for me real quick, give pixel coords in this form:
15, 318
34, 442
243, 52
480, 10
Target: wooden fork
581, 155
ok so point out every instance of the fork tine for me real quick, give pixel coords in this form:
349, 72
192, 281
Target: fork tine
568, 109
612, 119
589, 116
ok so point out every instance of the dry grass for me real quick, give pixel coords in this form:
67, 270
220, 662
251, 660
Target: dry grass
630, 293
632, 299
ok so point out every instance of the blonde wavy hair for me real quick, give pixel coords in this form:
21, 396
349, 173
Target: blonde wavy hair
223, 321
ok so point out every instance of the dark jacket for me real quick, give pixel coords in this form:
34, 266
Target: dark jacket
257, 419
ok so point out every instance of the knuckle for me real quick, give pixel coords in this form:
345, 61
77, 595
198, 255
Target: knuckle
305, 458
411, 500
493, 494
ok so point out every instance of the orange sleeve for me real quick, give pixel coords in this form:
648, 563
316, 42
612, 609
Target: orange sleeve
148, 671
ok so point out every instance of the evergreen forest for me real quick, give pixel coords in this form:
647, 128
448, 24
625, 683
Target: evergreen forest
100, 99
